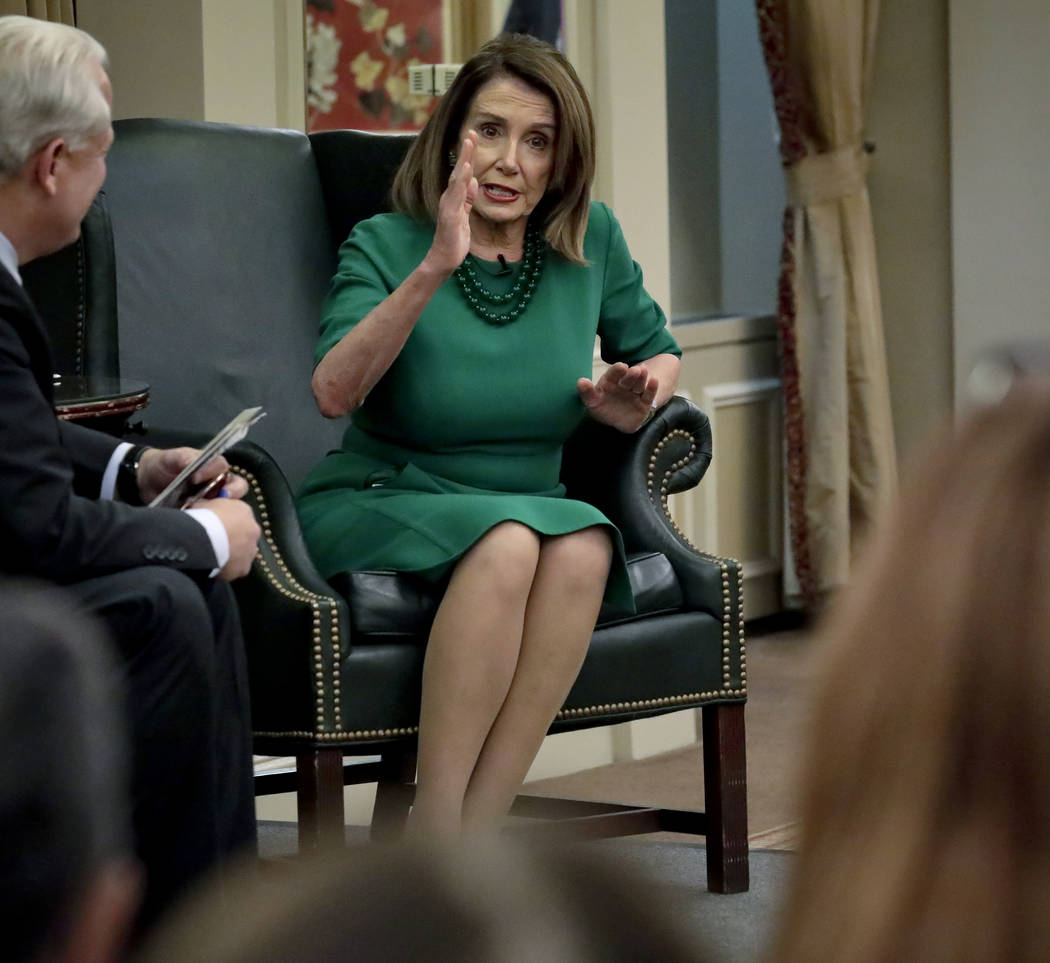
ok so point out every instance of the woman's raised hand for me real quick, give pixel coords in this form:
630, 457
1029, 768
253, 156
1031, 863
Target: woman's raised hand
452, 236
623, 396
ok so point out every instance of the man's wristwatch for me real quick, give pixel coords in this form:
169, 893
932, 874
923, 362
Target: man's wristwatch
128, 475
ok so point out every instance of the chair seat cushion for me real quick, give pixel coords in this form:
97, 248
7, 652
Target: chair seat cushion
397, 604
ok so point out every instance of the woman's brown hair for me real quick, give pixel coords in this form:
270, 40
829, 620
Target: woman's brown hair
423, 176
926, 791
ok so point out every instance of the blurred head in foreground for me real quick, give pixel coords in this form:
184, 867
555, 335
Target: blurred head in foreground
68, 885
494, 901
926, 794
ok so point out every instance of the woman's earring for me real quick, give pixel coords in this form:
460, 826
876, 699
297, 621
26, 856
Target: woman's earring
451, 158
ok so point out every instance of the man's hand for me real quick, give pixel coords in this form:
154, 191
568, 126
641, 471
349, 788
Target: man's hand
243, 533
623, 396
158, 466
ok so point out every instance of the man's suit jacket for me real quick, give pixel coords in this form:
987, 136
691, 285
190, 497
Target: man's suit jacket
52, 523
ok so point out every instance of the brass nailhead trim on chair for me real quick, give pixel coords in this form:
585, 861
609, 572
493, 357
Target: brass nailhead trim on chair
356, 735
723, 563
726, 691
79, 351
285, 583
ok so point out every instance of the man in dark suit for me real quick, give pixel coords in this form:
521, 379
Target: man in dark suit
71, 499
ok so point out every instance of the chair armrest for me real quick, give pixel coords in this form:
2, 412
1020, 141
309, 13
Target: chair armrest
270, 496
629, 477
296, 627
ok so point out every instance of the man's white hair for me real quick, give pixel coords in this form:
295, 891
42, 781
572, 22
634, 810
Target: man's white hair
48, 88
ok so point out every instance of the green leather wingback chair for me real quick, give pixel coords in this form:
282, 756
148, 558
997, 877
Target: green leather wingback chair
221, 240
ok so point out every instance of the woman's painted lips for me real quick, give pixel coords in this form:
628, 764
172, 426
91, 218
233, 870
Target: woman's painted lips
500, 193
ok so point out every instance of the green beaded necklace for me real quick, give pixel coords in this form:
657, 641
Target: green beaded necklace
485, 303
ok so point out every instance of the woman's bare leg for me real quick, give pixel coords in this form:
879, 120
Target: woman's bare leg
470, 661
559, 620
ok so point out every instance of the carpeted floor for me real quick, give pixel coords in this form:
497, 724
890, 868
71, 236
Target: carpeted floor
779, 670
731, 929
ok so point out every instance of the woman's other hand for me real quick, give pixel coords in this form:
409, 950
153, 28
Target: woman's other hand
452, 236
623, 396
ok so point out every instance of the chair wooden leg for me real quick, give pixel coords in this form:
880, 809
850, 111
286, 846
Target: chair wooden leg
320, 798
725, 791
394, 794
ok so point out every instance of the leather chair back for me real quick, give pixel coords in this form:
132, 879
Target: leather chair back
223, 256
75, 293
356, 168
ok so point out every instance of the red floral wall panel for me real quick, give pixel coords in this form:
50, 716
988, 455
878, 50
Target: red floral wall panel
357, 57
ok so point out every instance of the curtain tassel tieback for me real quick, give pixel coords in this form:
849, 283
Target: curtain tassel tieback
818, 178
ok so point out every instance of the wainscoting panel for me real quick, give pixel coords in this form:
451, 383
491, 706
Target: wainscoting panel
730, 369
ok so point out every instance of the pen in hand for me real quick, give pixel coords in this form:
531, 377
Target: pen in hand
214, 488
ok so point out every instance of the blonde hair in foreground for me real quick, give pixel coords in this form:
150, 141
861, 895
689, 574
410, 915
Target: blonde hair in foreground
926, 793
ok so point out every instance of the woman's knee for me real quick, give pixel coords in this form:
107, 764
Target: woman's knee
501, 564
580, 558
512, 547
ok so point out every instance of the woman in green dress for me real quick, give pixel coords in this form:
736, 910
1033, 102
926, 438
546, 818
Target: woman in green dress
459, 333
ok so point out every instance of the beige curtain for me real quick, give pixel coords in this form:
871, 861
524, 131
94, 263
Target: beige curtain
841, 462
57, 11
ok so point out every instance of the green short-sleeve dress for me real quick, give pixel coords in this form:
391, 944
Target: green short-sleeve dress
466, 428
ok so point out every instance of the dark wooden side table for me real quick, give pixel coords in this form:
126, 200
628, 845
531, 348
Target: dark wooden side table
104, 402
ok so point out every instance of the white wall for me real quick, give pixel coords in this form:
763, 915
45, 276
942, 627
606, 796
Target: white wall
1000, 142
253, 62
629, 97
156, 55
238, 61
910, 200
